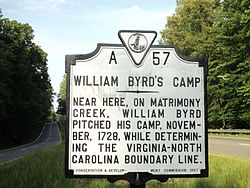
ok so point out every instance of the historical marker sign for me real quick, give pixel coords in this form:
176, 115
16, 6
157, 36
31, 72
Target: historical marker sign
136, 107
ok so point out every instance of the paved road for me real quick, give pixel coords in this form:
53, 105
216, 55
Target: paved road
230, 145
49, 136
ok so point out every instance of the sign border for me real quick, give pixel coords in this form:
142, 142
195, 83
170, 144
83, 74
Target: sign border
71, 60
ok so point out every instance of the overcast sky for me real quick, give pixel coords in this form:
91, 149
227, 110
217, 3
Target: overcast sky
76, 26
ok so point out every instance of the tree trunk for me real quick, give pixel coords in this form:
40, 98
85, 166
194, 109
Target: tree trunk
224, 124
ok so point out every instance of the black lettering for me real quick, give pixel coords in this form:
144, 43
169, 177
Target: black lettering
133, 136
96, 113
122, 124
130, 81
175, 81
81, 135
160, 81
104, 147
141, 113
188, 113
79, 147
190, 82
148, 159
113, 101
74, 158
112, 58
96, 80
147, 147
197, 81
77, 80
95, 159
188, 159
144, 81
186, 82
176, 136
148, 124
91, 124
81, 101
180, 125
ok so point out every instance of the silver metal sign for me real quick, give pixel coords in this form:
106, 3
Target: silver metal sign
136, 107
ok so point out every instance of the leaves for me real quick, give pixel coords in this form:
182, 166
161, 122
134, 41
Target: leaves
25, 89
191, 27
62, 97
219, 30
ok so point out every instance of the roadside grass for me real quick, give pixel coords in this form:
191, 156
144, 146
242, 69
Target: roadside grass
45, 169
224, 171
42, 169
230, 135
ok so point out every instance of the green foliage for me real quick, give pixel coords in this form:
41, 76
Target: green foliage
25, 90
230, 68
62, 92
224, 171
62, 97
219, 30
45, 169
191, 27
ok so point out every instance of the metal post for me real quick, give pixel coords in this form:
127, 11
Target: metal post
137, 182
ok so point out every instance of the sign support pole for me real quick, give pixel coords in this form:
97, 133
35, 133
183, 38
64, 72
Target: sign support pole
137, 182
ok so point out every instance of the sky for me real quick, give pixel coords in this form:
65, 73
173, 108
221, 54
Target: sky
76, 26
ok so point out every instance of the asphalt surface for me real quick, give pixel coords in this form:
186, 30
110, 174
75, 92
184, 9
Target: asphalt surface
49, 136
239, 147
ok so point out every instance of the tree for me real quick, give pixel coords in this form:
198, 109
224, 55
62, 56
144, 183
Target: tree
191, 27
25, 89
192, 30
62, 97
218, 30
231, 66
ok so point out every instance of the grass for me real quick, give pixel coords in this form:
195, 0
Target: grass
42, 169
224, 171
230, 135
45, 169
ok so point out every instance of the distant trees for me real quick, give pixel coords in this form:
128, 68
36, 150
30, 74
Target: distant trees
62, 97
230, 67
25, 89
191, 27
219, 30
